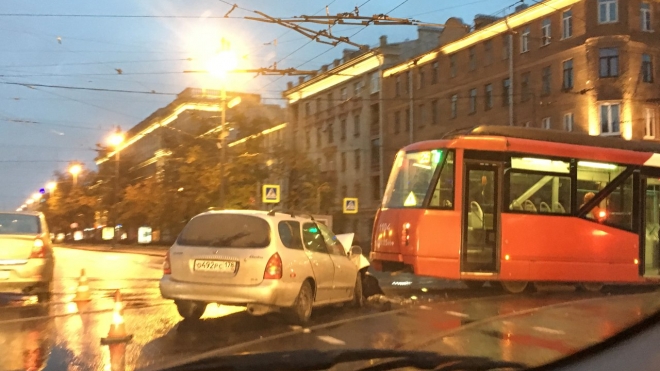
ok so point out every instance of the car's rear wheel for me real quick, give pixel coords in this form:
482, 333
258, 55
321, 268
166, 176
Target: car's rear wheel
44, 293
301, 310
370, 286
190, 309
358, 298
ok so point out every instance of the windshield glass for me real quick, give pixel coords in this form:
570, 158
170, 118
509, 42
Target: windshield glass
19, 224
219, 230
411, 177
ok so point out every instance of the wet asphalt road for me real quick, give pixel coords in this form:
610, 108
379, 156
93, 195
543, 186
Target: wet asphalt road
419, 313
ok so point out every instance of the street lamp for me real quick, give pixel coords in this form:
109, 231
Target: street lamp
74, 170
116, 139
219, 65
51, 186
36, 196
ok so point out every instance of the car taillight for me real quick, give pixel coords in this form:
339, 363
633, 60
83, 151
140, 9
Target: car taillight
273, 268
167, 268
38, 249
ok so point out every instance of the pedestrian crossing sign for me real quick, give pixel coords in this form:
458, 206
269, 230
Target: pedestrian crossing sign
350, 205
270, 194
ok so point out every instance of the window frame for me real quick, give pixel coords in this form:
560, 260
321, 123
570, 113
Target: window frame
546, 123
472, 58
600, 125
650, 124
608, 15
646, 16
546, 80
488, 96
507, 185
300, 239
647, 68
606, 192
454, 106
473, 101
524, 40
568, 75
567, 24
506, 92
356, 125
546, 31
572, 121
608, 59
434, 183
434, 77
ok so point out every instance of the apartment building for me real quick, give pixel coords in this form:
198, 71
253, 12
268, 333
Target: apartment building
335, 119
588, 66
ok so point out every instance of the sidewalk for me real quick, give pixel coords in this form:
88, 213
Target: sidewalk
129, 249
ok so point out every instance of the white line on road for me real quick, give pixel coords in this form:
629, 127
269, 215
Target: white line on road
548, 330
457, 314
331, 340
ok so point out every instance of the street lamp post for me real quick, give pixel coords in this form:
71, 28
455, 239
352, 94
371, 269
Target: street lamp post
74, 170
116, 139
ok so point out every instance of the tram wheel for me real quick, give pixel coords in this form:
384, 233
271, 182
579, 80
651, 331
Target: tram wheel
474, 285
514, 287
591, 286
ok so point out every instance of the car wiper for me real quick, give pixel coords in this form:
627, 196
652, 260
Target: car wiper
312, 360
219, 242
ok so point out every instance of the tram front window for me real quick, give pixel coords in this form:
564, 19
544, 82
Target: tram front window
411, 178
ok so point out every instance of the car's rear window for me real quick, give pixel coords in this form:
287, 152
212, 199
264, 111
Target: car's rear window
226, 230
19, 224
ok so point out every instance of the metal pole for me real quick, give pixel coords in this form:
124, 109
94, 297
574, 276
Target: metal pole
411, 106
223, 144
75, 180
116, 200
510, 76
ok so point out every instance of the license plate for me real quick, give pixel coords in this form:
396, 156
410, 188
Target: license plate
221, 266
4, 275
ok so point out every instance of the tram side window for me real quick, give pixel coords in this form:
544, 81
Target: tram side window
592, 178
539, 193
410, 179
443, 193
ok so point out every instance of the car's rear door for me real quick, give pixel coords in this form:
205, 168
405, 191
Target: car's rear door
345, 270
322, 265
222, 248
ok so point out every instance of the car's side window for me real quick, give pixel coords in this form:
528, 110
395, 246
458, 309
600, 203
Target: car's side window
334, 246
289, 232
313, 239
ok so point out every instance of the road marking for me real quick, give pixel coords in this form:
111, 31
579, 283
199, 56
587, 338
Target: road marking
457, 314
424, 307
331, 340
548, 330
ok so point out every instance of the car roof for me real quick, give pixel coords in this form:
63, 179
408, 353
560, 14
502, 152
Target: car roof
260, 213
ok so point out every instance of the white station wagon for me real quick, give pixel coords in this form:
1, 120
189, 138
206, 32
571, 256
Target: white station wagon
266, 261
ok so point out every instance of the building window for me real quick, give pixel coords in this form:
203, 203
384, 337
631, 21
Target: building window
375, 82
528, 124
408, 120
645, 9
408, 81
647, 68
342, 129
331, 134
343, 94
607, 11
434, 76
545, 123
356, 125
358, 160
488, 52
649, 123
330, 100
488, 96
420, 78
506, 87
546, 78
473, 100
434, 112
610, 118
546, 32
568, 121
308, 109
443, 192
506, 46
524, 40
318, 137
567, 24
357, 88
422, 116
568, 74
452, 65
375, 153
358, 191
609, 62
525, 93
308, 140
454, 106
375, 188
397, 122
397, 85
318, 105
343, 161
472, 58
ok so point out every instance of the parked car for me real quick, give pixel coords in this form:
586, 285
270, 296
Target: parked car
266, 261
26, 254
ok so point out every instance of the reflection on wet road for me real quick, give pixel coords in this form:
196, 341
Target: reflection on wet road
417, 313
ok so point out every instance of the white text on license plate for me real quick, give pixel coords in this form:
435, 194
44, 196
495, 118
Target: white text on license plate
222, 266
4, 275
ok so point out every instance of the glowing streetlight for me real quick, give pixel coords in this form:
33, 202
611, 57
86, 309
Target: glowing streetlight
74, 170
116, 139
29, 201
223, 61
36, 196
51, 186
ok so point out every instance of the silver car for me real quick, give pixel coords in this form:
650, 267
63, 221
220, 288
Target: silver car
26, 254
265, 261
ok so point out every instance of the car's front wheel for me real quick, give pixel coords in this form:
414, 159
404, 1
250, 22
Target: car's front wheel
301, 310
190, 309
358, 298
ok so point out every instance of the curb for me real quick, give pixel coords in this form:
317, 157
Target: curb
160, 253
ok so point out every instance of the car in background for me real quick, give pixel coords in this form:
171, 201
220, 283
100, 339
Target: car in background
26, 254
265, 261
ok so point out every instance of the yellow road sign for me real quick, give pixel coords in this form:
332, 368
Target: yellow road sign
270, 194
350, 205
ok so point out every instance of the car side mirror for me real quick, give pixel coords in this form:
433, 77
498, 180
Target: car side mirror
356, 251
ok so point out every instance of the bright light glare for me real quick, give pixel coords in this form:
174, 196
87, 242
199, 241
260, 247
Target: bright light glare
597, 165
29, 201
223, 62
116, 139
36, 196
51, 186
75, 169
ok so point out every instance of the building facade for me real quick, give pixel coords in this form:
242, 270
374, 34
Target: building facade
335, 119
587, 66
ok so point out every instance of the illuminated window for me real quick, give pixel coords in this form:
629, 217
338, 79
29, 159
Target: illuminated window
539, 193
645, 10
610, 118
609, 62
649, 123
568, 121
607, 11
546, 32
567, 24
647, 68
524, 40
411, 178
473, 100
546, 123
